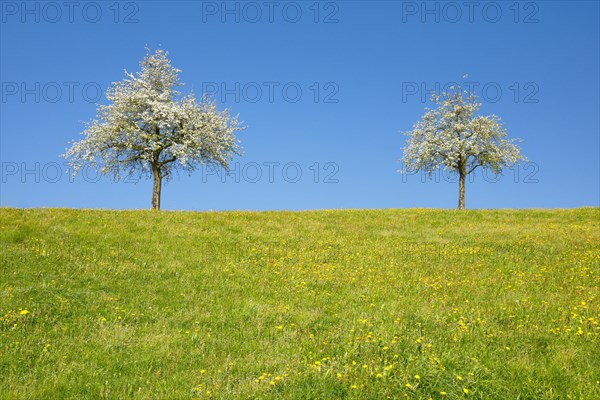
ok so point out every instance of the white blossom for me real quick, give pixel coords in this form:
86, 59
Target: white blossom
148, 128
454, 137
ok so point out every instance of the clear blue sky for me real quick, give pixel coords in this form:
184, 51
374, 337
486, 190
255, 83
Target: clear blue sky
362, 68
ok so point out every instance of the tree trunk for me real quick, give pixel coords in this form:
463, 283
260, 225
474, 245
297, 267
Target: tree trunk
156, 188
461, 189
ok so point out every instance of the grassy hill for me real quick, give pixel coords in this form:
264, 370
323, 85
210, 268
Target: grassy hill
321, 304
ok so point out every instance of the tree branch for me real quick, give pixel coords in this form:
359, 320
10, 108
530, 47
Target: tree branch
168, 160
473, 169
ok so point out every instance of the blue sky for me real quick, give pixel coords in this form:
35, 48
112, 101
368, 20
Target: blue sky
325, 90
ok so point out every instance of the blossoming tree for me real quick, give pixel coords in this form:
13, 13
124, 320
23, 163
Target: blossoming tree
149, 129
452, 136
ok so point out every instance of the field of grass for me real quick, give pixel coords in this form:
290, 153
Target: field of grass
323, 304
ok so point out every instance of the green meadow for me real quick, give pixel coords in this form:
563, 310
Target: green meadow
362, 304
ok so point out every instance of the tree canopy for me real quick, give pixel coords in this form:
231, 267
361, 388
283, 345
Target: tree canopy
150, 129
452, 136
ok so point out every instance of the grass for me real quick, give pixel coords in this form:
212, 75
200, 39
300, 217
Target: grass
321, 304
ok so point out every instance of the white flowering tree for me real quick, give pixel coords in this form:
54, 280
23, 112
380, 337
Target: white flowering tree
148, 129
453, 137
